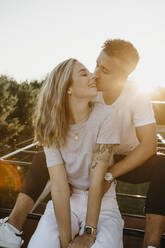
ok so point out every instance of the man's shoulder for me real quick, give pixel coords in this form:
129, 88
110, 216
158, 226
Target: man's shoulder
133, 90
131, 86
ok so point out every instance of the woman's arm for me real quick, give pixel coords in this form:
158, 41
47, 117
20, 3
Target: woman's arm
60, 192
98, 170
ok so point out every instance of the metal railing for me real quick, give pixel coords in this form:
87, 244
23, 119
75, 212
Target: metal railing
127, 231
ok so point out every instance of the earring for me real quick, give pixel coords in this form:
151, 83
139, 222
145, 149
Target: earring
69, 91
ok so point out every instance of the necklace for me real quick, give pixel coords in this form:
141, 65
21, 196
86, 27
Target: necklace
76, 137
75, 134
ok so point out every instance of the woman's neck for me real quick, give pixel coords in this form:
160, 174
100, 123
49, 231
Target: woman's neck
78, 110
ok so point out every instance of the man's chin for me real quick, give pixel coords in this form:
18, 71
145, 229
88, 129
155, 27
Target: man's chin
99, 88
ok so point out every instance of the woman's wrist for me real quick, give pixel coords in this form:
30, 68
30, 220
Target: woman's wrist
65, 237
90, 231
64, 242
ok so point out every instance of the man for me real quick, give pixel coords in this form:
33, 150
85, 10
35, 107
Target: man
135, 159
138, 133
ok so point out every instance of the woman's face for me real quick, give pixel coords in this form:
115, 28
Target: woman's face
84, 82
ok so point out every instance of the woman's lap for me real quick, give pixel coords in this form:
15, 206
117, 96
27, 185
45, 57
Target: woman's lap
47, 234
110, 231
110, 225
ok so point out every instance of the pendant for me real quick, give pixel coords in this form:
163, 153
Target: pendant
76, 137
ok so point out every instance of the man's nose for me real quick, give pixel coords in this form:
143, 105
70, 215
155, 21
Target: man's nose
93, 76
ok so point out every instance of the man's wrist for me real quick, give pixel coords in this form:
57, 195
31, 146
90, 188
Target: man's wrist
109, 177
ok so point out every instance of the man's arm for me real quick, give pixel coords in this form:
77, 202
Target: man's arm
98, 169
61, 197
147, 138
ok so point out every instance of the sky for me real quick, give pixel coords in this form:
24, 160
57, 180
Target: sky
38, 34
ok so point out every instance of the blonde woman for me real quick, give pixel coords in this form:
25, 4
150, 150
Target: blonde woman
78, 139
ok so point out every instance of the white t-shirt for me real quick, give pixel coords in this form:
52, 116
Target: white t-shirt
133, 109
76, 155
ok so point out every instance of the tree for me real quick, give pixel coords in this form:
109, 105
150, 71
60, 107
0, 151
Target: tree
8, 127
16, 110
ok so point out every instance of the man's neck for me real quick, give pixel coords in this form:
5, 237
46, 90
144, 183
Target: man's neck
110, 96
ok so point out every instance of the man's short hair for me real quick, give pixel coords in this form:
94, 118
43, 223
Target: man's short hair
124, 51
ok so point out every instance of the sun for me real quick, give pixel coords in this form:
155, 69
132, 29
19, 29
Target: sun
148, 80
147, 88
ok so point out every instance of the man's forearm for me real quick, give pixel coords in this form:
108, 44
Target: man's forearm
133, 160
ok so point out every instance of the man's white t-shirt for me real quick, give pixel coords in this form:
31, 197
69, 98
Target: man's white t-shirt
76, 155
133, 109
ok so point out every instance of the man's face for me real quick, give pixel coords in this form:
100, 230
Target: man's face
108, 71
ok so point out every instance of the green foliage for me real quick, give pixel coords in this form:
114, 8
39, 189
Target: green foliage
8, 101
16, 110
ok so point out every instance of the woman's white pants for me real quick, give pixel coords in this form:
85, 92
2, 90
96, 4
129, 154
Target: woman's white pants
109, 229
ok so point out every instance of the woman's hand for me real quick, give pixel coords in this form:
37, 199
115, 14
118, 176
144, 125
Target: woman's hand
71, 189
106, 186
83, 241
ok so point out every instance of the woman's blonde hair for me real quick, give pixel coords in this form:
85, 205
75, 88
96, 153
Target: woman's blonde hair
50, 118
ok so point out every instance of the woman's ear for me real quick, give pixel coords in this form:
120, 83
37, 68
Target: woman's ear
69, 91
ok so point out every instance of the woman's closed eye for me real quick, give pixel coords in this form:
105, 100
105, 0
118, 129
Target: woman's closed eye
104, 70
84, 74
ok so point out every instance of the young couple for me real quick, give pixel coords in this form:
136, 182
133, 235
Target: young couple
80, 138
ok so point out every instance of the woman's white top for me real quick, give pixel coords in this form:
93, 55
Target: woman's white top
100, 128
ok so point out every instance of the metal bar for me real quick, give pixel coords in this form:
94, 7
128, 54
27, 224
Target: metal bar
42, 196
134, 215
32, 216
131, 196
17, 162
25, 141
18, 151
161, 148
31, 152
158, 102
137, 232
133, 232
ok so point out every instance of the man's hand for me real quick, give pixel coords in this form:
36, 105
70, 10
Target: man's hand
83, 241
